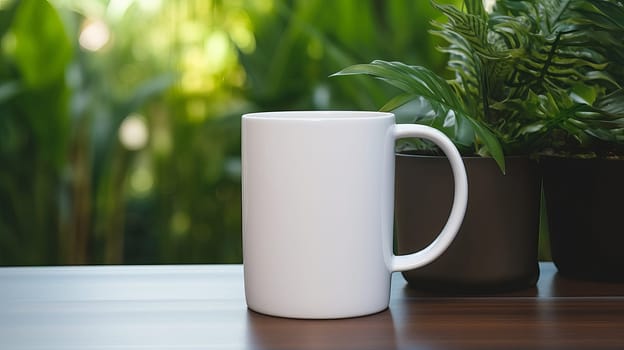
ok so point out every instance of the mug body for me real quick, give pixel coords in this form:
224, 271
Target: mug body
317, 212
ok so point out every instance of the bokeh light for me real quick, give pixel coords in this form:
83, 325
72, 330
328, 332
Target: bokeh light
94, 35
133, 132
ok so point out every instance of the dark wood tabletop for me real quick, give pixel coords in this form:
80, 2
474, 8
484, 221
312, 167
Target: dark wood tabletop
203, 307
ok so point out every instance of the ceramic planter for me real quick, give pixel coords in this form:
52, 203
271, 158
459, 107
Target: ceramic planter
585, 207
496, 248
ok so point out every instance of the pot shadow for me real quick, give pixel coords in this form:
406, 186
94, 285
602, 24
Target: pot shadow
411, 291
563, 286
367, 332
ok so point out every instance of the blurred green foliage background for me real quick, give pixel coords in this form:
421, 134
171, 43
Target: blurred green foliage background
120, 119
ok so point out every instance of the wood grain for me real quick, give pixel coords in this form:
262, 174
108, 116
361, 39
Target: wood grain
203, 307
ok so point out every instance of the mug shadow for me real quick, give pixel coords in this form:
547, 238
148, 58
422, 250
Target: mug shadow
367, 332
455, 320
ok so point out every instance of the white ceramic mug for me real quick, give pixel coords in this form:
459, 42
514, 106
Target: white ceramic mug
318, 211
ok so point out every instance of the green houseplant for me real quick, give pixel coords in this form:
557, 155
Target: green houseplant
580, 125
524, 75
583, 160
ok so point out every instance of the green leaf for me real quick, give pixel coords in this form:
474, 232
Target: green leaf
449, 113
583, 93
612, 103
415, 81
490, 143
42, 48
416, 111
411, 79
475, 7
397, 102
6, 17
467, 31
602, 134
533, 128
611, 11
602, 76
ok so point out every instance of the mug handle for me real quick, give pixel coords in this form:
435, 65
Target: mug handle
460, 199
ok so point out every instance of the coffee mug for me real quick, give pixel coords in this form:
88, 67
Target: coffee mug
318, 211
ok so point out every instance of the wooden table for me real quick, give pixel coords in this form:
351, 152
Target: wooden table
203, 307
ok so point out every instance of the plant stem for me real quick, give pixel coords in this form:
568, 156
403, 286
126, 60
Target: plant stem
549, 59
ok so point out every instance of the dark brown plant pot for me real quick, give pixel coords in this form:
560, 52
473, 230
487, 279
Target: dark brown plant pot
497, 245
585, 207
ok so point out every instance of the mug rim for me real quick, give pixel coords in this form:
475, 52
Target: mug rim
319, 115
